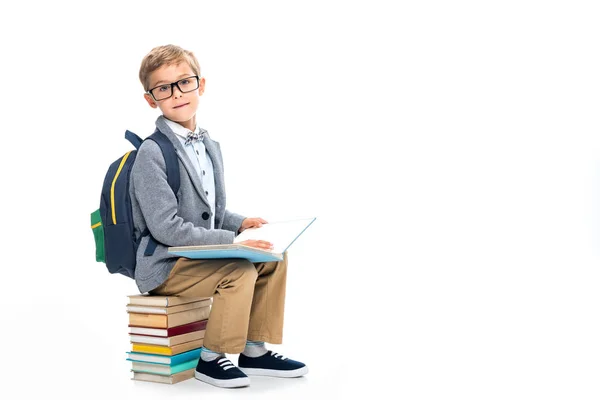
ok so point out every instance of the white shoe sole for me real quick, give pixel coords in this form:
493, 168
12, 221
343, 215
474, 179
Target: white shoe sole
294, 373
223, 383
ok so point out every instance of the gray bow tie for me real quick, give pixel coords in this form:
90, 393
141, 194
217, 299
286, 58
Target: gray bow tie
194, 137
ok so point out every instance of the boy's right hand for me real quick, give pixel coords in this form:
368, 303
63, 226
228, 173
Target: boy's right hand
259, 244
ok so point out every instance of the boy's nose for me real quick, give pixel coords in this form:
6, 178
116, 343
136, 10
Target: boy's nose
176, 91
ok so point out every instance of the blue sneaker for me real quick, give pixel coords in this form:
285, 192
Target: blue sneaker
221, 372
271, 364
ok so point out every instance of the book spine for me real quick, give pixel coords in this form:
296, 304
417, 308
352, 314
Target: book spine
152, 349
152, 301
174, 331
193, 354
140, 330
191, 327
186, 356
186, 317
167, 350
170, 341
184, 366
148, 320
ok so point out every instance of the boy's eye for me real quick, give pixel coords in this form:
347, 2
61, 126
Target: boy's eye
164, 88
184, 81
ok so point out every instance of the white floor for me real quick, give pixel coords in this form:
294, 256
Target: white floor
438, 340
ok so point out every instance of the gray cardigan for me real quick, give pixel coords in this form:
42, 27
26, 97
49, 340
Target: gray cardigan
175, 221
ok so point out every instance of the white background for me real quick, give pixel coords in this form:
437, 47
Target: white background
449, 151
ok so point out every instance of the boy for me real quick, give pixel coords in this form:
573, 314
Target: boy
248, 299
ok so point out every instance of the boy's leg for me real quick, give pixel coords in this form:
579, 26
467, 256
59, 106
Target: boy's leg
266, 315
230, 282
266, 325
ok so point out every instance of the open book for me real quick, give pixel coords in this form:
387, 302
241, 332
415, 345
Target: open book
280, 233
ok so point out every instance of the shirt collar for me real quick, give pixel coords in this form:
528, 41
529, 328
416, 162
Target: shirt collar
180, 130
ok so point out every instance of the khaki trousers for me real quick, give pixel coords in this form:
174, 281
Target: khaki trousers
248, 299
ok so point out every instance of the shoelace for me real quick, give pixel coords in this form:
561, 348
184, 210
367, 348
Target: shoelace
225, 364
279, 355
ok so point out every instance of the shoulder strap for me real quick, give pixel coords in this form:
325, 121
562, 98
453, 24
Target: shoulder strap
173, 178
134, 139
171, 160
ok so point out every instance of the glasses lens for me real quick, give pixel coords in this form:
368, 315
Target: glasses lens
188, 84
161, 92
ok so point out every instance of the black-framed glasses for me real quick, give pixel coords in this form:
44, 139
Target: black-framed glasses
184, 85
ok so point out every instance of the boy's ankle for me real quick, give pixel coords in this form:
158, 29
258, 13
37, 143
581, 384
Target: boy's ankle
254, 349
209, 355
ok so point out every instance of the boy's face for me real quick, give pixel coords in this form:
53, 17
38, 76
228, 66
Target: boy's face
180, 107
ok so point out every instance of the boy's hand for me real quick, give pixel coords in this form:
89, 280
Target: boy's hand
251, 223
259, 244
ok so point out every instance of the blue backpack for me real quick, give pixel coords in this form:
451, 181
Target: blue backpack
112, 223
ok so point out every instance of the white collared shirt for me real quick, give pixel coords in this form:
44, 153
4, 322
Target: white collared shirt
196, 151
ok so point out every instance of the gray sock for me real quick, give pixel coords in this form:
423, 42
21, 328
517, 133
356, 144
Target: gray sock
209, 355
254, 349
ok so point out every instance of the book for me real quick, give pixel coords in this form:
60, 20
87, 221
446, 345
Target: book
167, 360
169, 379
281, 234
166, 350
169, 320
162, 369
168, 332
170, 309
161, 301
167, 341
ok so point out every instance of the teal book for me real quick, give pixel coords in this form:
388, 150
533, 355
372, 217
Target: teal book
167, 360
163, 369
281, 234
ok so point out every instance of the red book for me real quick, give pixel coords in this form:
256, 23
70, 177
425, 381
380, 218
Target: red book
168, 332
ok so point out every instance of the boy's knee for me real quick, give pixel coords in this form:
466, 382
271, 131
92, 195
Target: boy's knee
239, 273
246, 270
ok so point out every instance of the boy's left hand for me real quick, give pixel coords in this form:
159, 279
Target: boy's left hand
251, 223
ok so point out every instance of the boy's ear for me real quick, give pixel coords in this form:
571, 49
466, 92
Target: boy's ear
150, 100
201, 86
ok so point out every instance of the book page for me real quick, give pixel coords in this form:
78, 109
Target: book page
280, 233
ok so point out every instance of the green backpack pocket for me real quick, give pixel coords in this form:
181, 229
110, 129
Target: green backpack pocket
98, 231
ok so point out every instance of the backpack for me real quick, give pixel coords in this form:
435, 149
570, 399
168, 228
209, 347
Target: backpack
112, 223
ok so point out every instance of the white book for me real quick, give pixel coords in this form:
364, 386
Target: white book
169, 379
138, 330
280, 233
162, 369
168, 310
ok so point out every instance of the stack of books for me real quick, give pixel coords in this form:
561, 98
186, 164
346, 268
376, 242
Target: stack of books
166, 333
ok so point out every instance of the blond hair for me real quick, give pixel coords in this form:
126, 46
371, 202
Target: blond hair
165, 55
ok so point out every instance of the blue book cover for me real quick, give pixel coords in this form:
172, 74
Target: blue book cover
163, 369
159, 359
281, 234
